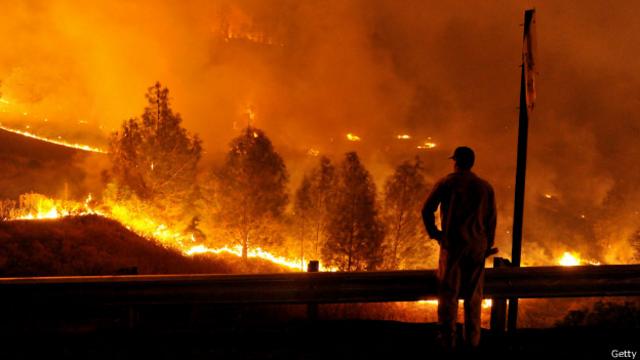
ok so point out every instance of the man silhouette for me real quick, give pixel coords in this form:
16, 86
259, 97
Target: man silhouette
468, 223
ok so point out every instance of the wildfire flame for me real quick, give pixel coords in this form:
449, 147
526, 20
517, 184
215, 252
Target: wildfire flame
486, 303
403, 137
574, 259
53, 141
569, 259
427, 145
352, 137
39, 207
252, 253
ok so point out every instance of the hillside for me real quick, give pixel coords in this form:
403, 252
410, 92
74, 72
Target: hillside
32, 165
93, 245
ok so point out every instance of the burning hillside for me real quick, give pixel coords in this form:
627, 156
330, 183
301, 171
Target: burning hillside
94, 245
285, 83
190, 239
31, 164
39, 207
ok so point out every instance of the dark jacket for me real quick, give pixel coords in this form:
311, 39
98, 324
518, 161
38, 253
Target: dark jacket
467, 212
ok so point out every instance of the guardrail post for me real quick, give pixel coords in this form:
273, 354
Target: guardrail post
312, 309
498, 320
133, 317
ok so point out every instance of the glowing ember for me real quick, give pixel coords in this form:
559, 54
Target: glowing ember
52, 141
403, 137
313, 152
427, 145
352, 137
548, 196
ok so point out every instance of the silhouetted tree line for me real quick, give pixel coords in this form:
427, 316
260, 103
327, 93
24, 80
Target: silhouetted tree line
335, 214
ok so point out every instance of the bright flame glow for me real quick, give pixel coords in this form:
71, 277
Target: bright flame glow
251, 253
39, 207
486, 303
574, 259
352, 137
569, 259
403, 137
427, 145
52, 141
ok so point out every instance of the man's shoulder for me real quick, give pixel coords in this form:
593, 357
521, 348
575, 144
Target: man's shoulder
447, 179
484, 183
465, 177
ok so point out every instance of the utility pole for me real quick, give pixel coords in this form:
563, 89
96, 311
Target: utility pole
527, 97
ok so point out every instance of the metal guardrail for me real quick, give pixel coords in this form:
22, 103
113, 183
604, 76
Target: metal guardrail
305, 288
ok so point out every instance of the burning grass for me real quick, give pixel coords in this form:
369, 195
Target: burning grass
60, 142
94, 245
133, 217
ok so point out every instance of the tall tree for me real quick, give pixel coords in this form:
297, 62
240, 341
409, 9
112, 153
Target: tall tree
251, 189
405, 243
312, 206
355, 232
156, 157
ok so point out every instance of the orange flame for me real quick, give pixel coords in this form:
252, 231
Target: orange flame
252, 253
574, 259
52, 141
486, 303
427, 145
38, 207
352, 137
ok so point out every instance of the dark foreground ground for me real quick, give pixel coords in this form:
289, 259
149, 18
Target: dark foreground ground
165, 333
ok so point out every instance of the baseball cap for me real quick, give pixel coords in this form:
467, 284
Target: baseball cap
464, 156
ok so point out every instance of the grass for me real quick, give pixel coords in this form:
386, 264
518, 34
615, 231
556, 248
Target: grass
93, 245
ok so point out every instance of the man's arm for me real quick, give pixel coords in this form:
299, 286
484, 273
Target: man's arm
492, 217
428, 213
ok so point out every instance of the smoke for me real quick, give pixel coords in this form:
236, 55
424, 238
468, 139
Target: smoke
309, 72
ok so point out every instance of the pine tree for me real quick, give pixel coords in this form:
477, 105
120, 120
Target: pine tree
251, 190
156, 157
406, 244
355, 232
313, 204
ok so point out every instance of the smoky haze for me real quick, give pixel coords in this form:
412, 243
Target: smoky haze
309, 72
